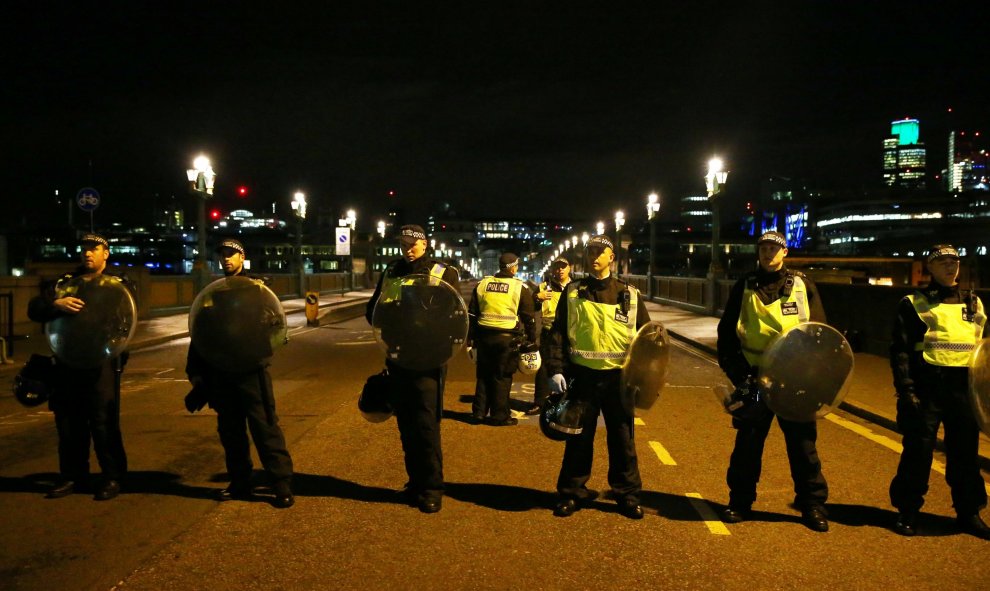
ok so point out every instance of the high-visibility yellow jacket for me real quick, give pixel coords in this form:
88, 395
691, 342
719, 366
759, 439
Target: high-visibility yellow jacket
759, 323
600, 334
498, 302
953, 330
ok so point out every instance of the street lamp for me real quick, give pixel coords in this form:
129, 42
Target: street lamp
620, 220
202, 179
652, 208
299, 208
714, 180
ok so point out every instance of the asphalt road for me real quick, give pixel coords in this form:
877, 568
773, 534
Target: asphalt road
496, 530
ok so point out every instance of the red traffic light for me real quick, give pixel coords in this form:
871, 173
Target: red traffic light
242, 191
215, 214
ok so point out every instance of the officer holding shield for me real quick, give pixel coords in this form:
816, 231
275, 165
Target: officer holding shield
761, 305
417, 395
592, 331
547, 298
86, 402
243, 400
935, 332
502, 324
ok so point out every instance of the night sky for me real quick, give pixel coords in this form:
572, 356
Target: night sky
529, 110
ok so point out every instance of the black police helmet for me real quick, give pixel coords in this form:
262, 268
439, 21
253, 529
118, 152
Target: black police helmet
563, 417
30, 392
374, 403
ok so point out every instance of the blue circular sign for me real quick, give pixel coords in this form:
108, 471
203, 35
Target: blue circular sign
88, 199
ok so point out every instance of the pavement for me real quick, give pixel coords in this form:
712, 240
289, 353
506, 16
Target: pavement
870, 397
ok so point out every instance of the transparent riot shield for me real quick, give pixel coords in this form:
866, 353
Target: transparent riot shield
806, 371
645, 367
979, 385
237, 323
101, 330
419, 321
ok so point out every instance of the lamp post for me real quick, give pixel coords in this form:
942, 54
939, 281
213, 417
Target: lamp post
202, 180
620, 220
652, 207
351, 219
714, 180
299, 208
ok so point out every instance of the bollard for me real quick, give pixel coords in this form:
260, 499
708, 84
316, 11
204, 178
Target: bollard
3, 352
312, 308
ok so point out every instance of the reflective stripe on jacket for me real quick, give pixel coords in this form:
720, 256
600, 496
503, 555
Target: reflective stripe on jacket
498, 302
953, 331
600, 334
759, 323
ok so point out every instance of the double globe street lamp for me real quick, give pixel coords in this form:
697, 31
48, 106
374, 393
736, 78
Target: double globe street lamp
202, 179
299, 208
714, 181
652, 208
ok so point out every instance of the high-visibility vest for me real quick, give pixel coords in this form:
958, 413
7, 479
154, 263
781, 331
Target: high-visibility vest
498, 302
548, 308
759, 323
600, 334
953, 330
392, 286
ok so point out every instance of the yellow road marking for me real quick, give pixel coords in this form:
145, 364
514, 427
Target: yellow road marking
887, 442
712, 522
638, 421
665, 458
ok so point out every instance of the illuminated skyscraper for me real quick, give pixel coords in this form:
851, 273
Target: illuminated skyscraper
967, 170
904, 156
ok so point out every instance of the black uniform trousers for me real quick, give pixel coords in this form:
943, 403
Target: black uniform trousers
494, 371
86, 403
418, 400
600, 389
920, 430
245, 402
746, 462
541, 385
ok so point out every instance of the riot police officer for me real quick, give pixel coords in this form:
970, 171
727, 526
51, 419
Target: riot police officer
935, 331
86, 402
242, 400
590, 337
417, 395
502, 324
761, 305
547, 298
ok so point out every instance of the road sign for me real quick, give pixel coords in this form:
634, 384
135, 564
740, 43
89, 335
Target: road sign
88, 199
343, 241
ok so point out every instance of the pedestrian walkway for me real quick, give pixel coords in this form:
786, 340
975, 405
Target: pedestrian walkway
871, 395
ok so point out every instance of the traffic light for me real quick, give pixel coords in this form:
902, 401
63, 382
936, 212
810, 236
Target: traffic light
214, 214
242, 191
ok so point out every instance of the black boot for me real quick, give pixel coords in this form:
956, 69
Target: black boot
974, 526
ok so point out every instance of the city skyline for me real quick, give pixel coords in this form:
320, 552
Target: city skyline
516, 109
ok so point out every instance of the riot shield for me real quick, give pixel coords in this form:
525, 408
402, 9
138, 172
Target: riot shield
236, 324
420, 322
101, 330
806, 371
979, 385
645, 367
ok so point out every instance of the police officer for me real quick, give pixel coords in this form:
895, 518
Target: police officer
417, 395
547, 298
86, 402
242, 401
761, 305
502, 323
590, 337
935, 331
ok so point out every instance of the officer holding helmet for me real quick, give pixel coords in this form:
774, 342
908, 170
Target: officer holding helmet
935, 332
761, 305
592, 330
86, 402
547, 298
417, 395
502, 324
242, 401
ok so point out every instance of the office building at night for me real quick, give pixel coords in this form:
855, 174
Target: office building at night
904, 156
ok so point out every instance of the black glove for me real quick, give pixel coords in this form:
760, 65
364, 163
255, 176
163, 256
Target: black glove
909, 401
196, 399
